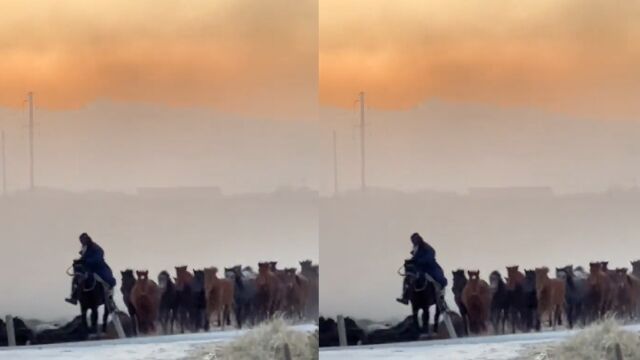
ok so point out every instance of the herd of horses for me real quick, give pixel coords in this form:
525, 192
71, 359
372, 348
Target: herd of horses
523, 301
194, 300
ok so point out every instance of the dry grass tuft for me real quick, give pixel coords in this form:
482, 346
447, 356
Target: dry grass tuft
596, 342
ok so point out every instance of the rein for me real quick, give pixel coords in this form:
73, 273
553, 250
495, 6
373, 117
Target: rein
403, 273
73, 274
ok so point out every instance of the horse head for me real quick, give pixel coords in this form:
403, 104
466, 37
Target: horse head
474, 275
495, 280
620, 278
230, 273
290, 276
142, 275
273, 265
514, 277
210, 273
542, 274
635, 265
264, 268
164, 280
305, 265
595, 268
604, 266
564, 273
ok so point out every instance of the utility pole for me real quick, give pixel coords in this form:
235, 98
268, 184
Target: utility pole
336, 189
4, 164
363, 183
30, 100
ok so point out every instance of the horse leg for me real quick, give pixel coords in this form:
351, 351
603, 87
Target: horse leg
425, 321
414, 317
94, 320
105, 318
436, 319
83, 314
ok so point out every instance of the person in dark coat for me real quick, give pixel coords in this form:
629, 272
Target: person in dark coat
424, 258
92, 258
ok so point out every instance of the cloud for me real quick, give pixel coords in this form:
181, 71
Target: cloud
236, 55
570, 56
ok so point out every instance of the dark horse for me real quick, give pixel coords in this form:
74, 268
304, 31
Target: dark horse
529, 290
168, 302
128, 280
576, 294
422, 295
244, 295
91, 295
499, 302
199, 303
184, 280
459, 282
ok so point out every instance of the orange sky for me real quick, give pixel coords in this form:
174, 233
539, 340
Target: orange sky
230, 54
575, 56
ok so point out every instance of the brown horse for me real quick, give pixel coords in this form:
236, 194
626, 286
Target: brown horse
282, 304
311, 272
268, 287
600, 292
514, 277
219, 294
145, 297
623, 296
551, 293
476, 297
297, 292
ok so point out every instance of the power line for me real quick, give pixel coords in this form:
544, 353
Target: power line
362, 145
4, 164
336, 189
31, 176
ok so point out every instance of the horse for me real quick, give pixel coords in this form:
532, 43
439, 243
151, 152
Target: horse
551, 296
530, 301
219, 295
599, 290
268, 291
91, 295
282, 289
128, 280
168, 302
635, 266
297, 292
311, 273
623, 301
499, 302
459, 282
422, 295
516, 297
244, 294
184, 279
476, 297
145, 296
576, 293
198, 314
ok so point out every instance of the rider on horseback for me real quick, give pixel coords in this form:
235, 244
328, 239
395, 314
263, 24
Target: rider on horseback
92, 260
424, 258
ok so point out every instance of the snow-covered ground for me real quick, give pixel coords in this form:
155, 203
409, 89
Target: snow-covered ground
169, 347
472, 348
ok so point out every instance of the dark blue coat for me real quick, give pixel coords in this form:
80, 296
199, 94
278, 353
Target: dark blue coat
93, 260
425, 259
